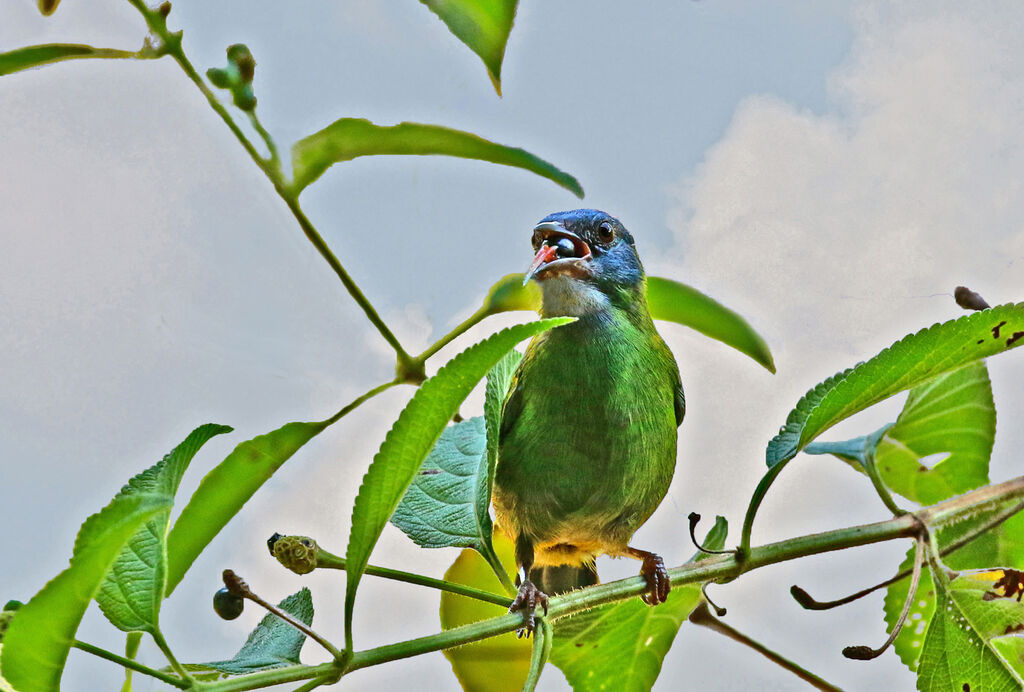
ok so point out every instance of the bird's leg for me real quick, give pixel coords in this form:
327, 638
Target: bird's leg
529, 596
653, 570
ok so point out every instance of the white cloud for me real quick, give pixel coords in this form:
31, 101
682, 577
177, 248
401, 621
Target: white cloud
910, 184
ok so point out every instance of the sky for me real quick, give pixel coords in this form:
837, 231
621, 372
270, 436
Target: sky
831, 170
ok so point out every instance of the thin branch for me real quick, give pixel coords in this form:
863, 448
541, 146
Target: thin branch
702, 616
158, 637
542, 640
880, 487
157, 23
866, 653
355, 403
810, 603
131, 664
458, 331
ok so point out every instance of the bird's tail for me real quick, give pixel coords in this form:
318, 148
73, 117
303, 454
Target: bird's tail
554, 580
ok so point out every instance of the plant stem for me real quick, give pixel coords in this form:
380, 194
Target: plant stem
158, 637
275, 157
131, 650
458, 331
348, 408
268, 678
720, 567
542, 640
129, 664
876, 480
172, 46
326, 560
703, 617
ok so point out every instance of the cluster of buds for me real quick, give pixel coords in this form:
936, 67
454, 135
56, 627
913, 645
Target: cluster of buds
237, 76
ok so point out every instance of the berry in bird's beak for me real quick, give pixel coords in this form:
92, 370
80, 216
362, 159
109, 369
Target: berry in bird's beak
557, 249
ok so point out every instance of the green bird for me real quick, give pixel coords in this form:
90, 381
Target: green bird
587, 444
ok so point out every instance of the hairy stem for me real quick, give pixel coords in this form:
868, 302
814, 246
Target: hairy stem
542, 640
130, 664
702, 616
157, 23
326, 560
158, 637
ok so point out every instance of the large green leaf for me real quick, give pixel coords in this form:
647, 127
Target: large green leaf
497, 664
483, 25
412, 437
34, 56
349, 138
950, 420
952, 415
621, 646
440, 508
971, 611
667, 300
133, 590
225, 489
1003, 545
273, 644
914, 360
36, 645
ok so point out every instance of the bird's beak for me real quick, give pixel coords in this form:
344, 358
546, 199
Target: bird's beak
552, 253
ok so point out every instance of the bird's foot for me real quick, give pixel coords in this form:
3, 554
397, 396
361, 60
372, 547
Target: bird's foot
527, 600
658, 584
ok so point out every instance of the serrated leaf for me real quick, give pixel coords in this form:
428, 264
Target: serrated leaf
497, 664
958, 653
37, 641
412, 437
439, 510
950, 420
34, 56
273, 644
131, 594
913, 360
1001, 545
668, 300
483, 25
349, 138
621, 646
225, 489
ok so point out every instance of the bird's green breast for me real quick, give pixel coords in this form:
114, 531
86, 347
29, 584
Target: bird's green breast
588, 440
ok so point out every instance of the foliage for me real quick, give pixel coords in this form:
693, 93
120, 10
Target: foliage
433, 480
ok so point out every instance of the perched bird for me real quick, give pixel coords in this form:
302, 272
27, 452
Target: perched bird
587, 444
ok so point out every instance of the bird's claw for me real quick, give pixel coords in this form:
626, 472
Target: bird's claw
658, 584
527, 600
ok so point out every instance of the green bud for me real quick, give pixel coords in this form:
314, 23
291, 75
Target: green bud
219, 78
244, 97
239, 55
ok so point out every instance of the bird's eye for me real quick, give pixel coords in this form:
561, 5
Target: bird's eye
605, 232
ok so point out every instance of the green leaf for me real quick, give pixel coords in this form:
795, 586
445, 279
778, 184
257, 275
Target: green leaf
676, 302
958, 651
1003, 545
412, 437
273, 644
34, 56
913, 360
952, 415
668, 300
225, 489
950, 419
621, 646
440, 508
133, 590
497, 664
483, 25
36, 645
448, 503
349, 138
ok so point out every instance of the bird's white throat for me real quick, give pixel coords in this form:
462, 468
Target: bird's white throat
565, 296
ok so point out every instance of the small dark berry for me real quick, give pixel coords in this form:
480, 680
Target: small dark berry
565, 248
228, 605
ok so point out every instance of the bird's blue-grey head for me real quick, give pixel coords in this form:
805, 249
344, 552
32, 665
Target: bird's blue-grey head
585, 261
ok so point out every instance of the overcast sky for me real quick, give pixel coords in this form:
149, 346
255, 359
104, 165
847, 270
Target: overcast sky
829, 169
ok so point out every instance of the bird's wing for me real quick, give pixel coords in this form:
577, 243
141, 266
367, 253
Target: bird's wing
679, 401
